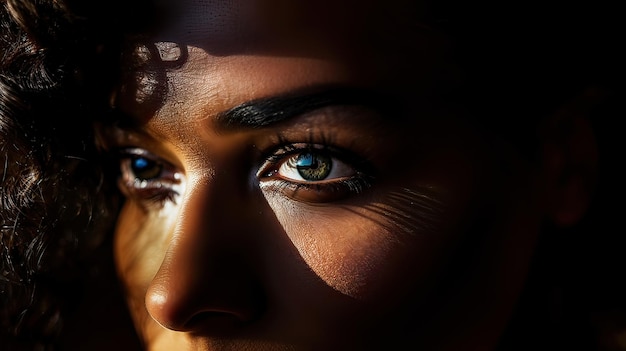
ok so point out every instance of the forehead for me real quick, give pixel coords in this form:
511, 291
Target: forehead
289, 43
291, 27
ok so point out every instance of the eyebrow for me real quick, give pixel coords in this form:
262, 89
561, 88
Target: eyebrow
269, 111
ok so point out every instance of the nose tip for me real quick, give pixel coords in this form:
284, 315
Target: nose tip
209, 277
161, 310
203, 313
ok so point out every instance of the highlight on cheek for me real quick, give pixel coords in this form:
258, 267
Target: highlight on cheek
347, 245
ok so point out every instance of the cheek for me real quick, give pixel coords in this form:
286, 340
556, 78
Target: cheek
141, 241
375, 251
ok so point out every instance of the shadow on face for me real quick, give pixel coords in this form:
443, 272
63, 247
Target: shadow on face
306, 175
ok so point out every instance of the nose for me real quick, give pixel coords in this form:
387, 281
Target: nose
207, 279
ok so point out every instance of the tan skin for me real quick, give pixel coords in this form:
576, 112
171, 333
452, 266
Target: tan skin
230, 240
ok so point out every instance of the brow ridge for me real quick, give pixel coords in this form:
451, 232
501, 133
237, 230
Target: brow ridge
265, 112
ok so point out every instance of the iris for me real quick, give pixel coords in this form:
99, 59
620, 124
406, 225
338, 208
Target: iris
145, 169
313, 167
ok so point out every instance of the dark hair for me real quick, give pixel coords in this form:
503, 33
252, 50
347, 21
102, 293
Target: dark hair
52, 206
60, 59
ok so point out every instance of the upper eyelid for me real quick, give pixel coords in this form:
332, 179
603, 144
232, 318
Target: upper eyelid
115, 138
137, 151
286, 149
126, 153
277, 153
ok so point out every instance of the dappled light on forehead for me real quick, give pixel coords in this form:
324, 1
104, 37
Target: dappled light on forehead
147, 84
169, 51
144, 87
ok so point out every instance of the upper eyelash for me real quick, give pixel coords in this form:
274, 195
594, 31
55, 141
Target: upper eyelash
151, 194
322, 138
363, 178
155, 193
286, 150
127, 152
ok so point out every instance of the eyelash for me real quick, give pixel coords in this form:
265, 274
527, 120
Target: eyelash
154, 190
163, 184
326, 190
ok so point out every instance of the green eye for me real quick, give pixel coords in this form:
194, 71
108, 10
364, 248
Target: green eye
313, 167
314, 173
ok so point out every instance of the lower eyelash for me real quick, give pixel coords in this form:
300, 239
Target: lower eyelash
149, 192
329, 190
150, 195
325, 191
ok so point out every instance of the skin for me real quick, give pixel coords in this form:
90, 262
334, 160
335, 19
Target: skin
217, 250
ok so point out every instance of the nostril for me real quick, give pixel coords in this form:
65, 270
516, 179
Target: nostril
191, 292
215, 322
199, 312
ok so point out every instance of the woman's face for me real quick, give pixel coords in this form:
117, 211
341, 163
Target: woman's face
293, 181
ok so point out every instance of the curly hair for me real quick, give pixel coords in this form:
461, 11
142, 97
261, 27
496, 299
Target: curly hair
58, 62
52, 205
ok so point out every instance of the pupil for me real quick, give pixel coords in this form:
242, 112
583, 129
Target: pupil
313, 166
145, 169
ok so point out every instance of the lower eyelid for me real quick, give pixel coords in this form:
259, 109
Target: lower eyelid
151, 196
149, 192
318, 192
